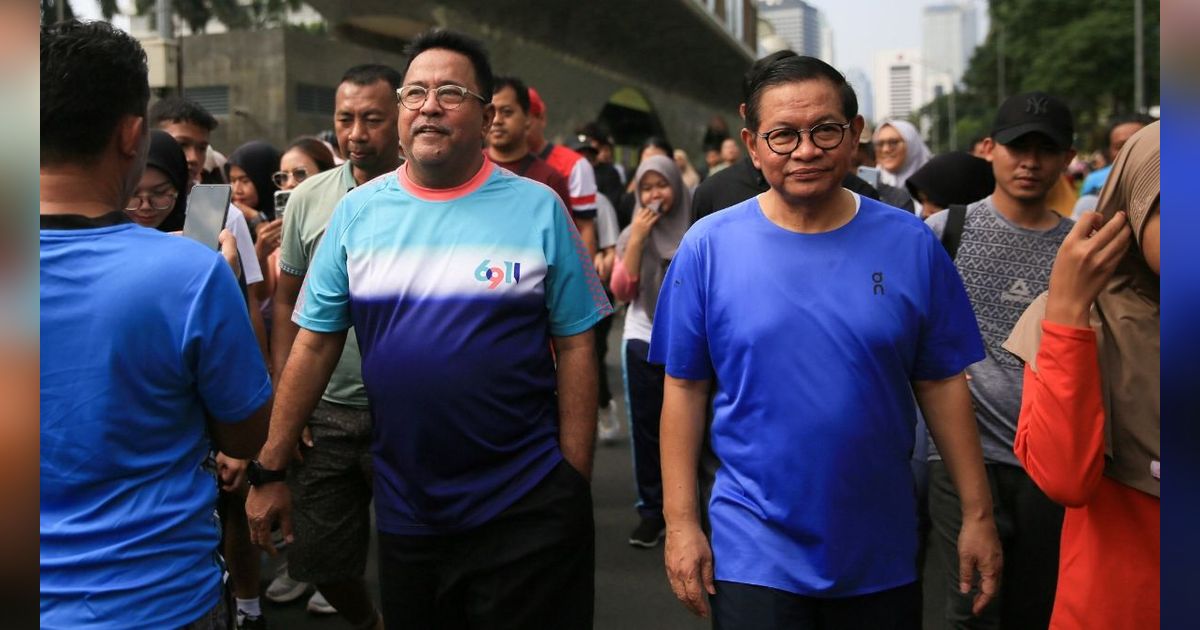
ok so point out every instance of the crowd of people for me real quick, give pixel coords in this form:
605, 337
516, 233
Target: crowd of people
867, 386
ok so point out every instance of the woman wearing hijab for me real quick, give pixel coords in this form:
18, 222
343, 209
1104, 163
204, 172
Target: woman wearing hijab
250, 169
1088, 433
955, 178
899, 151
644, 249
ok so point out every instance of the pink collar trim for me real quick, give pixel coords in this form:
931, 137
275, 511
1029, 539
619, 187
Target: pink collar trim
445, 194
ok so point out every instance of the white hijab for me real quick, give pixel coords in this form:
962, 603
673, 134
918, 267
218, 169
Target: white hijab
916, 153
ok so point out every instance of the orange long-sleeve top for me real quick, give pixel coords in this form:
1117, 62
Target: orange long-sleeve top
1108, 574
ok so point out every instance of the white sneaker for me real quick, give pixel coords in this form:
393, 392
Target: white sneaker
319, 606
608, 425
283, 588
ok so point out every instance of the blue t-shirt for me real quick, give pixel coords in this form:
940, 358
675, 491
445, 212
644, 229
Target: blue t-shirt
813, 341
454, 295
142, 334
1094, 182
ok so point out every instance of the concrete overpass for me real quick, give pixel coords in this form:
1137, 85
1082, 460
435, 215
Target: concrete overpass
663, 66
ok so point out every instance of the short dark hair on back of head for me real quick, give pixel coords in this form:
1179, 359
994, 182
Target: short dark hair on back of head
177, 109
92, 76
372, 73
794, 69
759, 66
470, 48
518, 87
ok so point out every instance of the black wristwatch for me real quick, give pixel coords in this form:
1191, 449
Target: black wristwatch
256, 475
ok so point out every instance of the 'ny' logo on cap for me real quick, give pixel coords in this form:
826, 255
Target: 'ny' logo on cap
1036, 105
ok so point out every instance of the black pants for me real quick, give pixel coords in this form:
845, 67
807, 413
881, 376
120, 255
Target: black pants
533, 566
1030, 526
644, 388
747, 607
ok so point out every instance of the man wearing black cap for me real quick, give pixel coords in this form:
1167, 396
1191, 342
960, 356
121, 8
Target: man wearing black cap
1006, 247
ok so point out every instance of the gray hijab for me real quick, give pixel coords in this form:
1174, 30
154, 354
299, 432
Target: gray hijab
665, 236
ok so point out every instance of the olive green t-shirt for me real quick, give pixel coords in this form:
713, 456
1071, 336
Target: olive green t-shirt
304, 221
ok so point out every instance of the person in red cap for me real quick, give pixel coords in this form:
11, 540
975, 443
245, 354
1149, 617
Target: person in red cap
581, 178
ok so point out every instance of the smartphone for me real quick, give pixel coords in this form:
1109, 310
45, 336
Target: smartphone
869, 174
281, 199
207, 207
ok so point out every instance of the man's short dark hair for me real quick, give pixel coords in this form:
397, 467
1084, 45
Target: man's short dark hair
470, 48
759, 66
92, 76
518, 87
177, 109
372, 73
1123, 119
793, 69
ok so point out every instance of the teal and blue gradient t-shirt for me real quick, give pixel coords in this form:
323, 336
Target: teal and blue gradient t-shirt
455, 295
813, 341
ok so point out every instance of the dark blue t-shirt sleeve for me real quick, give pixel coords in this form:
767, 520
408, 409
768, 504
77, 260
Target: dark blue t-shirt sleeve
950, 339
679, 339
221, 349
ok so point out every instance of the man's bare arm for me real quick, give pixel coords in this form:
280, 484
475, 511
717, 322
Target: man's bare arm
688, 556
587, 232
283, 329
305, 375
946, 404
577, 393
304, 378
242, 439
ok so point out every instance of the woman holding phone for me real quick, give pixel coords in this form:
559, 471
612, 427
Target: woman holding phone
644, 249
160, 201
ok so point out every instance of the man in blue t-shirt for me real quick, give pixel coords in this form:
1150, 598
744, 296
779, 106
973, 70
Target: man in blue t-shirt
148, 361
817, 343
473, 299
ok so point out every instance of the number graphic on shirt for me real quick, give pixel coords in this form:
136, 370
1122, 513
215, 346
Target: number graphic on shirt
510, 273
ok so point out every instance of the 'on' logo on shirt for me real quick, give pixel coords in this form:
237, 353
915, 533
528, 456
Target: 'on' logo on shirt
510, 273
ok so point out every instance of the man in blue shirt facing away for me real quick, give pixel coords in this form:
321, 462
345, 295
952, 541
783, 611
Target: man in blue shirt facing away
818, 343
148, 361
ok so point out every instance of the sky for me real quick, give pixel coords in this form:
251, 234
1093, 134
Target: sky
863, 27
860, 27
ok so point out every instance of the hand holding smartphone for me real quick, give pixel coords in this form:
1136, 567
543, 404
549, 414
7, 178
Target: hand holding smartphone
281, 199
207, 207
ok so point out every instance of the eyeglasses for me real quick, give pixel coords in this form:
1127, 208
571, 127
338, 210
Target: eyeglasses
825, 136
447, 96
281, 178
158, 201
889, 143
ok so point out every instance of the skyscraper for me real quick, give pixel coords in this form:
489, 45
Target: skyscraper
801, 25
948, 38
899, 83
861, 83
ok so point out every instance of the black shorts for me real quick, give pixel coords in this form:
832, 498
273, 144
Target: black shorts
533, 566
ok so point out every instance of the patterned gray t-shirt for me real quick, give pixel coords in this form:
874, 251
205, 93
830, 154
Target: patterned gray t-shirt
1003, 267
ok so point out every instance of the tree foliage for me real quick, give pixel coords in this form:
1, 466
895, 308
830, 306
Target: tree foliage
1081, 51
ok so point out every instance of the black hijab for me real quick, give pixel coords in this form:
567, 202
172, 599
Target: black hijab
166, 156
953, 178
260, 160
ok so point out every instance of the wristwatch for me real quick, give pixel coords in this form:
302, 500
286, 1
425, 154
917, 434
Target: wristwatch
256, 475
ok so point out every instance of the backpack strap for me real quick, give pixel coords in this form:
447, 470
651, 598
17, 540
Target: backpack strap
952, 235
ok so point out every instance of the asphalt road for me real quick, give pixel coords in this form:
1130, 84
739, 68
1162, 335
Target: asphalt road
631, 587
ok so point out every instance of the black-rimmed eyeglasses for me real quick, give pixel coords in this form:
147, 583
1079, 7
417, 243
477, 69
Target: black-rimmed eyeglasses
158, 200
447, 96
825, 136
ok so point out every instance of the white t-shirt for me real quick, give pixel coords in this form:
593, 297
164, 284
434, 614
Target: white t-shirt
235, 222
606, 223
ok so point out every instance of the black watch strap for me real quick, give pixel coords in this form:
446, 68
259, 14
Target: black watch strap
257, 475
